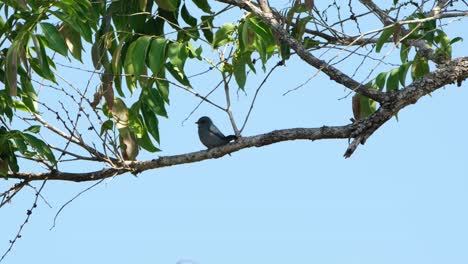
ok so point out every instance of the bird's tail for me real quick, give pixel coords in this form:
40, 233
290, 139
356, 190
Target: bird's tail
231, 137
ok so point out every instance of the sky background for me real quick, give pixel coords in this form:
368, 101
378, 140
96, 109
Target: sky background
401, 198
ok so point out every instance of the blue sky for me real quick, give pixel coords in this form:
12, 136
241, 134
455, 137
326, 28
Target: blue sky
401, 198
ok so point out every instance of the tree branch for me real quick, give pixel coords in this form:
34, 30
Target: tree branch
454, 72
331, 71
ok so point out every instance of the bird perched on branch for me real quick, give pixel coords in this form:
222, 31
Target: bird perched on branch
210, 135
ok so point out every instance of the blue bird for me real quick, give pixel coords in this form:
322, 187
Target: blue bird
210, 135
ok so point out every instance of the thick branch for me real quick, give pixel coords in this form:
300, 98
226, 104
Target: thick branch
454, 72
242, 143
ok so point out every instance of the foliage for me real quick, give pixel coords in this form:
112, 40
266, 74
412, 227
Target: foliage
139, 60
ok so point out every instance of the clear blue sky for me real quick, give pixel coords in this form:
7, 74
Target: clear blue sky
401, 198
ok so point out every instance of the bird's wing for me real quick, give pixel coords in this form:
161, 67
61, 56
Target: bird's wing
214, 130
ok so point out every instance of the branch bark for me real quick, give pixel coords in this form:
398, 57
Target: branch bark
455, 71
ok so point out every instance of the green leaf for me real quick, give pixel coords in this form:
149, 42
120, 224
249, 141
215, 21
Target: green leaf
13, 163
11, 68
262, 30
194, 53
41, 147
285, 50
393, 80
142, 4
129, 67
139, 54
223, 35
152, 101
28, 94
107, 125
245, 36
383, 38
43, 68
299, 27
33, 129
54, 39
207, 27
454, 40
404, 71
239, 70
163, 86
116, 62
380, 80
366, 106
445, 45
168, 5
151, 122
4, 168
420, 67
203, 5
177, 53
19, 142
157, 55
404, 50
178, 74
145, 142
72, 40
189, 19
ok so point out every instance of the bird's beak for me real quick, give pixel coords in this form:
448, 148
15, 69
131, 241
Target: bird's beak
196, 122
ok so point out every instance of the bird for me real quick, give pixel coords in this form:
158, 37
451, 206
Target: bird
210, 135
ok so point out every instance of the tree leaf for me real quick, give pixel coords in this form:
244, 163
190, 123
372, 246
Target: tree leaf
380, 80
139, 54
11, 68
207, 27
157, 55
129, 68
33, 129
223, 35
145, 142
54, 39
393, 80
203, 5
43, 68
107, 125
178, 74
404, 71
151, 122
177, 53
152, 101
189, 19
168, 5
445, 45
163, 86
454, 40
240, 75
383, 38
404, 50
72, 40
41, 147
420, 67
28, 94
